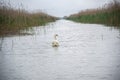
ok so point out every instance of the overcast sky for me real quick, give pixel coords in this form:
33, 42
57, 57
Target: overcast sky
59, 8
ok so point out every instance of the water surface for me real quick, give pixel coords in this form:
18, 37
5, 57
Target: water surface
86, 52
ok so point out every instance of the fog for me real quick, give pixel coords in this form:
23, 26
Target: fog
58, 8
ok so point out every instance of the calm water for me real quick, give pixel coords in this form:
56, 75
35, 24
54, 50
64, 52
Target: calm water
86, 52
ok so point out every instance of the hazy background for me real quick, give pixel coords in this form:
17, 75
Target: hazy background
58, 8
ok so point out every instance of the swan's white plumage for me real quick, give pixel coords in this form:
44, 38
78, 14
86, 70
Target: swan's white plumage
55, 42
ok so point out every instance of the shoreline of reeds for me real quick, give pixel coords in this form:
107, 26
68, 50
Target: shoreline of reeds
12, 21
107, 15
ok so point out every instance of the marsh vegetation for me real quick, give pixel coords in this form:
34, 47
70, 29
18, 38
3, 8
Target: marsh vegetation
109, 14
12, 20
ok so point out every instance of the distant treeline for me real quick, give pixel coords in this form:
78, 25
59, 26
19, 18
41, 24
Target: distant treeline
109, 14
13, 20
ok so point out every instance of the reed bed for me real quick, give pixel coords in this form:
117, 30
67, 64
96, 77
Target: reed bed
12, 21
109, 14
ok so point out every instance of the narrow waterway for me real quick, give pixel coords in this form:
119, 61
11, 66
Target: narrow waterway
86, 52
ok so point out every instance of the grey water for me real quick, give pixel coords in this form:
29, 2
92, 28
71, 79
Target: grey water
86, 52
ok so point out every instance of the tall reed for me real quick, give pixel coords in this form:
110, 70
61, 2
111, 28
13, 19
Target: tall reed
109, 14
13, 20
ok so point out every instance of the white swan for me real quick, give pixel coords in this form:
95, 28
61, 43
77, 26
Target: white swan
55, 43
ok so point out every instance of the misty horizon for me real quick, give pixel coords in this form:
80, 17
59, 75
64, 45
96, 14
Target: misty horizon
58, 8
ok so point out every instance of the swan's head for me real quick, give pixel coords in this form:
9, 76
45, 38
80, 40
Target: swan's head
56, 34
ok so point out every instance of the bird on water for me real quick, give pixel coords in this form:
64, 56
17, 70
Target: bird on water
55, 42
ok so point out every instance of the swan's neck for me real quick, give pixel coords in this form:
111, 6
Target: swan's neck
55, 37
